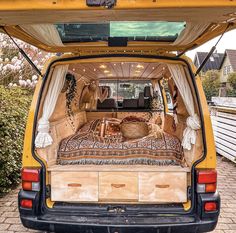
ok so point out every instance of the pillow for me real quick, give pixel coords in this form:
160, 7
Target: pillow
112, 127
155, 131
134, 129
133, 119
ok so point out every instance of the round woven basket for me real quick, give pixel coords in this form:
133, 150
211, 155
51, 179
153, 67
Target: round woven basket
134, 130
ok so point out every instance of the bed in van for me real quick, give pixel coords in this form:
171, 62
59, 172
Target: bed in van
119, 137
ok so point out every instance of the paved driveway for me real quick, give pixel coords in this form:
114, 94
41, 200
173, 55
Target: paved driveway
10, 222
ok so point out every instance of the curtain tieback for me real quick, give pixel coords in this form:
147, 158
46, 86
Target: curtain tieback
43, 126
193, 122
189, 135
43, 137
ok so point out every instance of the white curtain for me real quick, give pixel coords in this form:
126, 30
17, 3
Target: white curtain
193, 122
191, 33
43, 137
46, 33
155, 85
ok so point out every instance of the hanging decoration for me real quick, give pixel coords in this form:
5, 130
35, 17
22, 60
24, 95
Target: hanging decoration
71, 88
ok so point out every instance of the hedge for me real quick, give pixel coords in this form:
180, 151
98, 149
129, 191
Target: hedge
14, 106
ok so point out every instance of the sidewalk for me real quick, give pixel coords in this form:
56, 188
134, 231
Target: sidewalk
10, 222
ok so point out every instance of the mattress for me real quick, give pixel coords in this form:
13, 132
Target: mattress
85, 147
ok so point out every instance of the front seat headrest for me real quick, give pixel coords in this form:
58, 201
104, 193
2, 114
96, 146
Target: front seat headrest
147, 92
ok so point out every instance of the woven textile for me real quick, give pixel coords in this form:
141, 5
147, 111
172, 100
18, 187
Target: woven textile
84, 148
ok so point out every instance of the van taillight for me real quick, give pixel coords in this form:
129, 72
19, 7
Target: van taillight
206, 181
210, 206
30, 179
26, 203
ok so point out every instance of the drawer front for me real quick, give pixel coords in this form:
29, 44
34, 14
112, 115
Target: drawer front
74, 186
163, 187
118, 186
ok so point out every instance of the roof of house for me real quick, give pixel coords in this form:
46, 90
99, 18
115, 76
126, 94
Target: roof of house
213, 63
231, 54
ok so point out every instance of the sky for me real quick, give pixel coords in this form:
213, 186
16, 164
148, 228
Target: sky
228, 41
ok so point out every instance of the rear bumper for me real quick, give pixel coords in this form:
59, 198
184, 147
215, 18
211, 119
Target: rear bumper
90, 221
144, 225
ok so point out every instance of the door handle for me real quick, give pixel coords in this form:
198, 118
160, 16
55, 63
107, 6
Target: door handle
162, 186
74, 185
118, 185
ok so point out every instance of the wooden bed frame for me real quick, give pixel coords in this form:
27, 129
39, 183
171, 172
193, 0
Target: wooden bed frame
119, 183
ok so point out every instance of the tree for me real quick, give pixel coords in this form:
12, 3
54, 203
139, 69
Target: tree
232, 82
211, 83
14, 69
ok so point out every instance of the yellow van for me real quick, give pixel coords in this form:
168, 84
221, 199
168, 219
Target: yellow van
119, 137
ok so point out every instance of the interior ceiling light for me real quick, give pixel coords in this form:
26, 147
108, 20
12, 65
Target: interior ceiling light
140, 66
94, 69
109, 75
84, 70
122, 63
137, 71
103, 66
114, 64
153, 67
106, 71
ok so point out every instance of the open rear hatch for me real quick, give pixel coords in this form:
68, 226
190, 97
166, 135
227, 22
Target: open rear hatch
121, 26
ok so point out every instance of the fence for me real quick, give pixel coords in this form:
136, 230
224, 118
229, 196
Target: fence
224, 126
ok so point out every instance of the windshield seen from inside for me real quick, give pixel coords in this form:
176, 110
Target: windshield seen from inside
121, 90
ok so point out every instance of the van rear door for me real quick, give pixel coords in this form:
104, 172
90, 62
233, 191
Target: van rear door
126, 26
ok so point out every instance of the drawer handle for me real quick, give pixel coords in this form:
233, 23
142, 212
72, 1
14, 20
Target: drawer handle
74, 185
118, 185
162, 186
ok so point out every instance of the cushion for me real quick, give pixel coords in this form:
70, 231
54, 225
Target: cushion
133, 119
134, 130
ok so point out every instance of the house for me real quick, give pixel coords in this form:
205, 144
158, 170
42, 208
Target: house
213, 63
228, 65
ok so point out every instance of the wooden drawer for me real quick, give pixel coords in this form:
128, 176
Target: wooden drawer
118, 186
74, 186
163, 187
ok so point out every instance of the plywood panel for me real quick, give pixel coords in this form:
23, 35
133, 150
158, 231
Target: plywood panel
117, 168
120, 70
118, 186
162, 187
74, 186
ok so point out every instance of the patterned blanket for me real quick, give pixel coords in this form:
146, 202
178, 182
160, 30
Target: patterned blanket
84, 148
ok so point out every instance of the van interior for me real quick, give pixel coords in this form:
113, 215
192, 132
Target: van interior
117, 130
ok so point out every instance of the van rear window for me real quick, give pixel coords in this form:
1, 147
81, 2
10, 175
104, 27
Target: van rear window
132, 30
